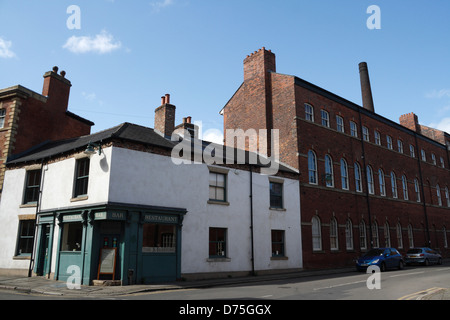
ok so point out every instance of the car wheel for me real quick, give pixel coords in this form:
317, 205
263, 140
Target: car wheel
401, 265
382, 267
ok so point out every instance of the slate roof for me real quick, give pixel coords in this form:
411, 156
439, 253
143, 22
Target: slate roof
125, 132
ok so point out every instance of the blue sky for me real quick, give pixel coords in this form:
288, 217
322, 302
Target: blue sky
127, 54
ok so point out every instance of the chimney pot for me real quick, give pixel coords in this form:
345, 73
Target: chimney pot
55, 69
163, 100
188, 119
167, 98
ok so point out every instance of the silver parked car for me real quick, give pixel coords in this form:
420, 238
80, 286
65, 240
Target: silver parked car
423, 256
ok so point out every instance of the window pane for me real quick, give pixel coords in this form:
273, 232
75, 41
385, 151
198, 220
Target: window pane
158, 238
71, 238
217, 242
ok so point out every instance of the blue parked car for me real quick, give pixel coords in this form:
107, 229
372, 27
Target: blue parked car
423, 256
384, 258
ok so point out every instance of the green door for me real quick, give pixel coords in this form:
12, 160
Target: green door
44, 253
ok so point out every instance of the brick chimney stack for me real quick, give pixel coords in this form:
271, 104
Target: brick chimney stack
165, 117
366, 89
259, 63
410, 121
57, 88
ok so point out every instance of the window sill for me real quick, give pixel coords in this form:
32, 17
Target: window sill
218, 260
279, 258
277, 209
28, 205
79, 199
22, 258
223, 203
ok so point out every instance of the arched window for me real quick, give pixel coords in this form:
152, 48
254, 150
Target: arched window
334, 234
312, 167
438, 192
405, 187
349, 235
344, 174
309, 112
329, 177
375, 238
394, 185
417, 189
381, 182
447, 197
370, 183
316, 234
362, 235
358, 183
399, 236
410, 236
387, 235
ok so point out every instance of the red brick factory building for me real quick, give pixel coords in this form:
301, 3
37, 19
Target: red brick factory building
365, 181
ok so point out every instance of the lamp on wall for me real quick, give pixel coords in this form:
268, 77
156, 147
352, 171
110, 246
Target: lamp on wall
90, 149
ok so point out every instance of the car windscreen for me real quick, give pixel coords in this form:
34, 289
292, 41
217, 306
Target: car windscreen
374, 253
414, 251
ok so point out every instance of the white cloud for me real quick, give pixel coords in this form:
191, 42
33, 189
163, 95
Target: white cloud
213, 135
158, 5
5, 49
102, 43
443, 125
438, 93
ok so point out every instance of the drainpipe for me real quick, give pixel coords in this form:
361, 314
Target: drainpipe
423, 193
364, 171
251, 221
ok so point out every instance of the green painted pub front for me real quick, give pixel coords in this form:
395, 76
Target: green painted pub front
146, 242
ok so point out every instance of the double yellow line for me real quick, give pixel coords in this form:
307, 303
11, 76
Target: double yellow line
421, 294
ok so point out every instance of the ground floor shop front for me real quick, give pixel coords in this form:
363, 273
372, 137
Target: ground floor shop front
133, 244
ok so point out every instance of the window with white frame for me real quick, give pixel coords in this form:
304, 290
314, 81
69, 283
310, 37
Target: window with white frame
381, 182
217, 186
412, 151
394, 185
340, 124
365, 132
389, 142
444, 231
410, 236
417, 189
278, 244
2, 118
329, 178
353, 129
349, 235
442, 162
377, 138
344, 174
362, 235
405, 187
447, 197
334, 245
370, 183
312, 167
399, 236
309, 112
316, 234
325, 118
433, 158
375, 238
81, 177
400, 146
358, 183
387, 235
438, 193
424, 156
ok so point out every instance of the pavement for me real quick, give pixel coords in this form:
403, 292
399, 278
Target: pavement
49, 287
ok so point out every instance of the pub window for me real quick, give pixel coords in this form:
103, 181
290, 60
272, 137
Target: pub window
32, 184
278, 243
217, 186
276, 195
25, 237
72, 236
217, 242
81, 177
158, 238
